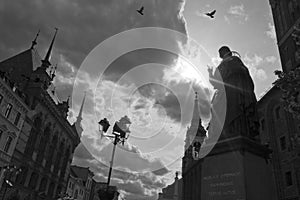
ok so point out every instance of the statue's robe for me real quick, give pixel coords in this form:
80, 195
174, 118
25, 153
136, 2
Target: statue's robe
234, 103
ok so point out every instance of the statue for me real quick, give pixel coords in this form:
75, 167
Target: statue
235, 89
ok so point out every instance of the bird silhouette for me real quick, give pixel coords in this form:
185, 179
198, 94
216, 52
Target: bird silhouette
141, 10
211, 14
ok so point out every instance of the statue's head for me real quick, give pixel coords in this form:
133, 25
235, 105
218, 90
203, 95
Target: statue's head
224, 51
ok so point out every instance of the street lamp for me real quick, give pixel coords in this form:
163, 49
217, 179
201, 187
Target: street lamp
104, 123
9, 172
120, 129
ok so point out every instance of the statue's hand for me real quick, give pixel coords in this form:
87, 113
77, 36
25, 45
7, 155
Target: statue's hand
210, 70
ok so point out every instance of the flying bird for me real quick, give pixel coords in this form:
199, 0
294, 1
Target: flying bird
141, 10
211, 14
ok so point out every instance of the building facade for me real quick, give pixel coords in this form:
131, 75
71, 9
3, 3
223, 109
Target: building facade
281, 132
278, 128
86, 176
286, 16
46, 143
13, 112
76, 187
100, 191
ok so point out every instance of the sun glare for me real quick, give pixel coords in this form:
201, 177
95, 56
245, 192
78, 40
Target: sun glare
187, 72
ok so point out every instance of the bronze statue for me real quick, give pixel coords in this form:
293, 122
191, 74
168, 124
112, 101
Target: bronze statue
235, 90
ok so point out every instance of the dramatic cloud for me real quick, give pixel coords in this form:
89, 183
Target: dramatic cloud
271, 59
143, 184
226, 18
253, 63
238, 11
271, 33
82, 25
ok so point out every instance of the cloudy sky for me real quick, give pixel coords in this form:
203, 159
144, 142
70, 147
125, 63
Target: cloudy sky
148, 74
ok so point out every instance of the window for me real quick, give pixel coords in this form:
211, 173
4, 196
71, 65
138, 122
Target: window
284, 17
279, 20
277, 112
17, 119
8, 110
291, 10
33, 180
1, 98
8, 143
1, 134
282, 143
288, 178
76, 194
262, 124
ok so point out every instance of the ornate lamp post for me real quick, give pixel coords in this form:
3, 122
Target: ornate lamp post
9, 172
119, 133
289, 82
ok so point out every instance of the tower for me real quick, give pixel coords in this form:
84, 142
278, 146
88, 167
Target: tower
191, 165
195, 135
40, 76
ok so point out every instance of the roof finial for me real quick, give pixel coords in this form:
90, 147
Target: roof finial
68, 100
53, 91
34, 42
53, 72
48, 55
196, 95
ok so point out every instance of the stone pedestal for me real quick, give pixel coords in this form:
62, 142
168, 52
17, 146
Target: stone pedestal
237, 169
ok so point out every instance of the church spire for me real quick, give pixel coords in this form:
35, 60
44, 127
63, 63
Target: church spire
176, 187
196, 114
46, 60
77, 123
79, 117
192, 130
34, 42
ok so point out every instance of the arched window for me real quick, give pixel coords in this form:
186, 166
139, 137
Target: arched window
292, 11
43, 185
33, 136
262, 124
51, 189
33, 180
277, 112
59, 157
65, 162
43, 143
7, 144
76, 194
50, 153
58, 191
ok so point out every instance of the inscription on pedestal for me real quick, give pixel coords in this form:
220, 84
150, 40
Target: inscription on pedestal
222, 178
222, 185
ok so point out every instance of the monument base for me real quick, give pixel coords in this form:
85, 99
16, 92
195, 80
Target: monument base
237, 169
